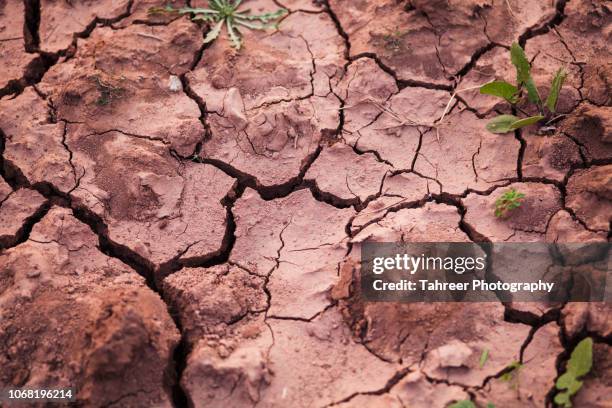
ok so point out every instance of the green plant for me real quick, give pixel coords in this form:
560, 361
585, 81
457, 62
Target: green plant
507, 202
511, 371
579, 364
107, 91
512, 94
483, 358
226, 12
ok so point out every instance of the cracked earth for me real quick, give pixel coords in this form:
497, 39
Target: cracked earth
181, 224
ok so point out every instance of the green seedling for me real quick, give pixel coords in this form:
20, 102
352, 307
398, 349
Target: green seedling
579, 364
225, 12
507, 202
393, 40
483, 358
513, 95
511, 374
107, 91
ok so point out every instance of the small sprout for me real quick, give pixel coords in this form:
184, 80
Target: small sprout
555, 88
578, 366
483, 358
511, 374
508, 201
225, 12
108, 92
512, 94
393, 40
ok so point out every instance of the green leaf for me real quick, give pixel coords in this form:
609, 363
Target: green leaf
233, 34
526, 122
581, 360
502, 124
186, 10
555, 89
579, 364
214, 32
490, 405
265, 17
484, 357
501, 89
568, 381
253, 26
532, 92
563, 399
519, 60
463, 404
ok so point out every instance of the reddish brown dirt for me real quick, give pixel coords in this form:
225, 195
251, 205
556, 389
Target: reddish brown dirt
181, 224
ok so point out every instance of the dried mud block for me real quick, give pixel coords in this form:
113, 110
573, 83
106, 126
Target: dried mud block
271, 104
397, 128
139, 13
298, 242
237, 378
589, 194
210, 301
151, 203
73, 317
34, 143
467, 156
430, 223
395, 331
507, 20
16, 211
13, 58
363, 88
60, 21
432, 41
528, 385
549, 157
317, 363
590, 317
591, 127
527, 223
563, 228
220, 310
341, 172
455, 347
598, 83
596, 389
403, 189
118, 80
587, 22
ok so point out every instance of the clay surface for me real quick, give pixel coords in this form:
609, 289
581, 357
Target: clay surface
181, 224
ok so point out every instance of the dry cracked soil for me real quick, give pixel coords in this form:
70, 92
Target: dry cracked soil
181, 224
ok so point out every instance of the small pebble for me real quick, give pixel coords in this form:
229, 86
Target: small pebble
175, 84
